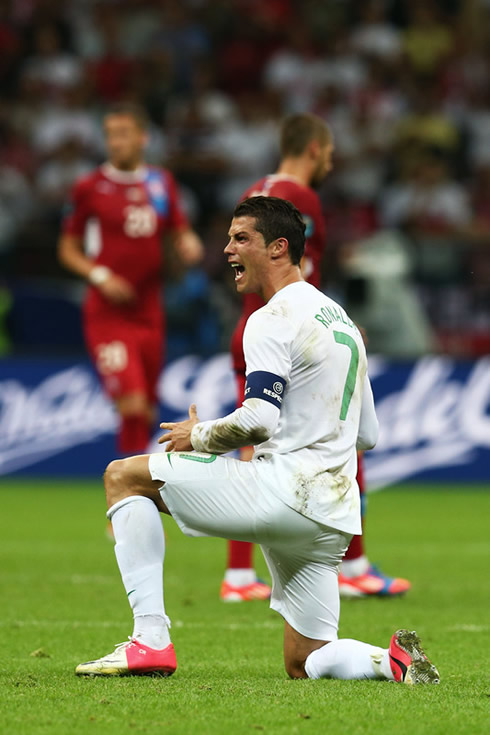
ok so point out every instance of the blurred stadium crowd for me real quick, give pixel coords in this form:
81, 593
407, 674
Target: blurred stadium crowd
404, 85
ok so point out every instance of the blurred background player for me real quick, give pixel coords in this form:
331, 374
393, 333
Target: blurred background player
306, 147
122, 211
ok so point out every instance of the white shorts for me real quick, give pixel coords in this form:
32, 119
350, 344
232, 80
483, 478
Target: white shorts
220, 496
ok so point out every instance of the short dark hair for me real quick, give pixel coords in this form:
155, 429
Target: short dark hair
300, 129
276, 218
130, 109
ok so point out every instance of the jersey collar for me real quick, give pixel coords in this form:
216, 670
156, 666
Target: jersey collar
124, 177
295, 284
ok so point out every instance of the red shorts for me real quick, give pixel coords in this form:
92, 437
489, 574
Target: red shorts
127, 356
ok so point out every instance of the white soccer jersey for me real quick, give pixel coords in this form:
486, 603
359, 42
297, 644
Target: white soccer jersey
307, 367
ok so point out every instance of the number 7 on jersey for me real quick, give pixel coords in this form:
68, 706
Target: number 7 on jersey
350, 383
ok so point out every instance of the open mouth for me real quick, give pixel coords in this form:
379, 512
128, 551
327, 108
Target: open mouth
239, 270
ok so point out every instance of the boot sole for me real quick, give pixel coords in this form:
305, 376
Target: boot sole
421, 670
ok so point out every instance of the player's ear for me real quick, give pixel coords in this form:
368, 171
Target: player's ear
278, 248
314, 148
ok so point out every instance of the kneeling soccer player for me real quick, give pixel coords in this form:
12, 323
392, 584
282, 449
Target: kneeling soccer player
308, 405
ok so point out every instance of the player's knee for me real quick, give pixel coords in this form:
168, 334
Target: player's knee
295, 669
115, 478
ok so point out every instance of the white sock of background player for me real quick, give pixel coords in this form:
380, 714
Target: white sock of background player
140, 550
348, 659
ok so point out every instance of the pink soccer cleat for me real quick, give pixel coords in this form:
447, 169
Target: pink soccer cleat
258, 590
408, 662
131, 659
373, 582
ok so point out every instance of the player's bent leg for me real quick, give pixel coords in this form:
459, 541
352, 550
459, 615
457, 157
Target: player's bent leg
297, 648
209, 495
348, 659
128, 477
134, 505
306, 593
404, 661
134, 429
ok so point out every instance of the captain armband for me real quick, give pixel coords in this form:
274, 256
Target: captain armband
267, 386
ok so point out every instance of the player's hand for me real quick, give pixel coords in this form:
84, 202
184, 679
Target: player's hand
179, 434
189, 247
117, 290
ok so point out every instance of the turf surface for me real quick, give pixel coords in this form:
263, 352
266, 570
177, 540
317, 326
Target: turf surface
63, 603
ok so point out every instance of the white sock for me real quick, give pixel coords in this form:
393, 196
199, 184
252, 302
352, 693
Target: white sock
152, 630
354, 567
348, 659
140, 550
240, 577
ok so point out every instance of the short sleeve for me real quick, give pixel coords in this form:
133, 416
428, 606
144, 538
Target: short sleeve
267, 342
77, 210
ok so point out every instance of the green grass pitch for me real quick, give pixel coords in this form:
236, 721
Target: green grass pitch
62, 603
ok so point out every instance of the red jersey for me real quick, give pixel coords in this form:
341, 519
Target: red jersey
308, 203
124, 214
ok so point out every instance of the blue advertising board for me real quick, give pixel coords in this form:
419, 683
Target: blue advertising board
434, 416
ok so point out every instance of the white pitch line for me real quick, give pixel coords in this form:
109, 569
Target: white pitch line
266, 625
89, 579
